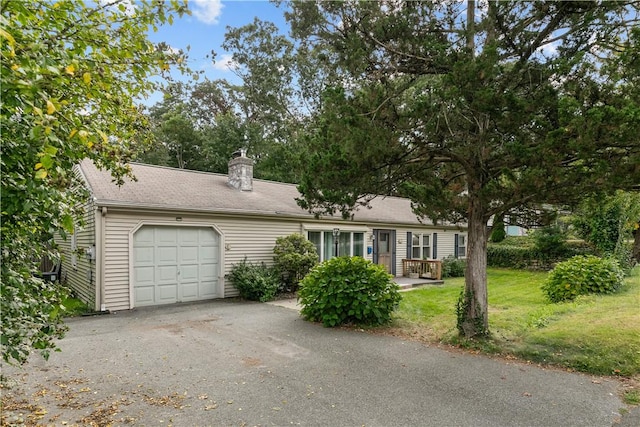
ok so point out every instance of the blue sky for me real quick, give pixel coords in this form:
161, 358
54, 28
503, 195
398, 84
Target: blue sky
204, 31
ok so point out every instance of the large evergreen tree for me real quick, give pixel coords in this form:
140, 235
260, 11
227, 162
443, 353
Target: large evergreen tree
471, 110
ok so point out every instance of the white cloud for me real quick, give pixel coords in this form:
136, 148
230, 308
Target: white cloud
549, 49
225, 63
207, 11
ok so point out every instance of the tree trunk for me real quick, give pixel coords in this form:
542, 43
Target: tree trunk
473, 317
635, 252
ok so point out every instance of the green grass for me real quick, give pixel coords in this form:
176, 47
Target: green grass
595, 334
74, 307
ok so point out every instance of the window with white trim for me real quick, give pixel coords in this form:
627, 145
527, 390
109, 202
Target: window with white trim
420, 246
462, 246
350, 243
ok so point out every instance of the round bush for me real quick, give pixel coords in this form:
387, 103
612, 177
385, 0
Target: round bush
255, 282
583, 275
348, 290
293, 257
453, 267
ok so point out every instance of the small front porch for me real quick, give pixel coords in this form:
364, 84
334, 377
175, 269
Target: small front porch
407, 283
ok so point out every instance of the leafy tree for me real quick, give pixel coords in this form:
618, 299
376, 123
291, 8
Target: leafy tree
181, 139
608, 222
199, 126
470, 112
70, 75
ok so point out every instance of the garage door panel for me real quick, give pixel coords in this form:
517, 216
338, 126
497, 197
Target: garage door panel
167, 255
167, 236
143, 255
144, 275
145, 236
188, 236
208, 254
145, 295
167, 294
173, 264
188, 254
189, 273
167, 274
207, 272
207, 289
190, 291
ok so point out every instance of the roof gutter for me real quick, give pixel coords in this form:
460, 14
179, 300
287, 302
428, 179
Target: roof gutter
268, 214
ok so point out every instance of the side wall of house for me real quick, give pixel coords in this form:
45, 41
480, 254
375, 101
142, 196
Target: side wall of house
241, 236
78, 271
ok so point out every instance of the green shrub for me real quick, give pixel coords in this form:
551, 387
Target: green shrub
550, 243
348, 290
583, 275
255, 282
293, 257
505, 256
453, 267
498, 232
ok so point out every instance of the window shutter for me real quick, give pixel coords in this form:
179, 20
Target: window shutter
435, 245
392, 237
409, 241
376, 236
455, 245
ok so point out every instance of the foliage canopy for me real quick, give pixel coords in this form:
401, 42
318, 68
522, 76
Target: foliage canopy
472, 110
71, 74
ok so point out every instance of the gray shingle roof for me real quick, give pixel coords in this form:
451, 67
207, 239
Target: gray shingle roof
178, 189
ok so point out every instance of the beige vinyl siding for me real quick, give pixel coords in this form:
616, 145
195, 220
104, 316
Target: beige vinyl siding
241, 236
81, 277
446, 244
116, 260
253, 238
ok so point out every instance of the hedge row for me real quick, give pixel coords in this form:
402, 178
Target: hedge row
529, 257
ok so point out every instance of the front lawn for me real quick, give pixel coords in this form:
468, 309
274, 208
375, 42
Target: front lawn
594, 334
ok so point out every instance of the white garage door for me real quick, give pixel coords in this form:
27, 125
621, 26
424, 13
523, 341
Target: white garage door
175, 264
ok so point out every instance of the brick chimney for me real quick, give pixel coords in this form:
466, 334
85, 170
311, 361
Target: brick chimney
241, 171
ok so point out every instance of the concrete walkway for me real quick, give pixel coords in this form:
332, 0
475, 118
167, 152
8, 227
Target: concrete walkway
229, 363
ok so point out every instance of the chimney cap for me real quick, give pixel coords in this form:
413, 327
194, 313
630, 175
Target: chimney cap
239, 153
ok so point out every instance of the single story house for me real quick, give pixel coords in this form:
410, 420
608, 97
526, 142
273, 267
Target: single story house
172, 235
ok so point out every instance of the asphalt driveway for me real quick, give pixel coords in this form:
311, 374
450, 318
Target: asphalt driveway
229, 363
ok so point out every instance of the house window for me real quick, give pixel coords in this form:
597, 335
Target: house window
420, 246
461, 246
349, 243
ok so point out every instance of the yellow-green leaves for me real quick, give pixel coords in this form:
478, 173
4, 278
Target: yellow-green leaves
41, 174
70, 71
46, 161
50, 107
6, 35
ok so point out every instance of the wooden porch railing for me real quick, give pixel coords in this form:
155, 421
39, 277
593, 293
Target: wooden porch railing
424, 268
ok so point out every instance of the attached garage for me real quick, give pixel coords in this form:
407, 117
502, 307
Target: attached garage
175, 264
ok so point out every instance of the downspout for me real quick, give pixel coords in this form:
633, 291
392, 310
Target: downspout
101, 259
